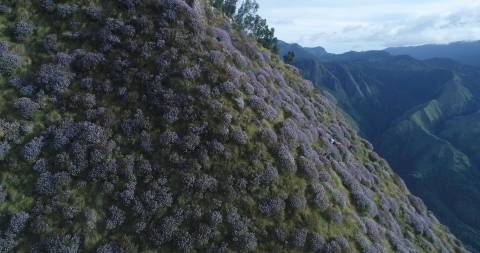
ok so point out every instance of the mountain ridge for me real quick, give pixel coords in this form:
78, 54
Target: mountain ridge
465, 52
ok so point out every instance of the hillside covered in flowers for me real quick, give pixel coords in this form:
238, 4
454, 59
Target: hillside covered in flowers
156, 126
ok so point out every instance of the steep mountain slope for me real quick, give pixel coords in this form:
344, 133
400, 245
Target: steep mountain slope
420, 115
463, 52
154, 126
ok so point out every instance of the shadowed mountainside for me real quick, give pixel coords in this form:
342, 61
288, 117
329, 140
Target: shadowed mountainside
421, 116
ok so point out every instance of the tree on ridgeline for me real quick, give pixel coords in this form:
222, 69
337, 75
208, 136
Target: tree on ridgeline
218, 4
289, 57
246, 14
247, 20
230, 7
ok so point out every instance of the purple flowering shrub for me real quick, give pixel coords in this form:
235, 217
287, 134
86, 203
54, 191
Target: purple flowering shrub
22, 30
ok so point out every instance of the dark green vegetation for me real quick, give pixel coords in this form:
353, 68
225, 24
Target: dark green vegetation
422, 116
227, 7
155, 126
288, 58
248, 21
463, 52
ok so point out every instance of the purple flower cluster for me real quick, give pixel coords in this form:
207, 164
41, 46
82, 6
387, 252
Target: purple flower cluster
216, 218
334, 215
297, 201
158, 196
32, 149
116, 217
48, 183
56, 78
299, 238
191, 73
66, 10
286, 160
109, 248
9, 62
316, 241
128, 4
22, 30
308, 168
48, 5
50, 43
168, 138
242, 235
365, 245
56, 243
338, 245
269, 175
397, 243
239, 136
262, 108
272, 206
17, 223
217, 57
320, 198
26, 107
89, 61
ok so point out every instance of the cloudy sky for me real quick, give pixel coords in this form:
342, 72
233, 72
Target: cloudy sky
344, 25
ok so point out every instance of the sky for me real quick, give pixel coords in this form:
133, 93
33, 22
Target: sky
359, 25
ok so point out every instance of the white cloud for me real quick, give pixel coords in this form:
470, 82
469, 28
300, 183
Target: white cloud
344, 25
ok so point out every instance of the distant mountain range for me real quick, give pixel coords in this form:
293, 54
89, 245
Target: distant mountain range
467, 53
463, 52
422, 115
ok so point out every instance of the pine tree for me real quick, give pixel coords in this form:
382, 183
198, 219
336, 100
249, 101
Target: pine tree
230, 7
218, 4
288, 58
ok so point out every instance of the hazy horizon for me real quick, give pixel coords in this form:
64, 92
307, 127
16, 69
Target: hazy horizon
342, 26
381, 49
